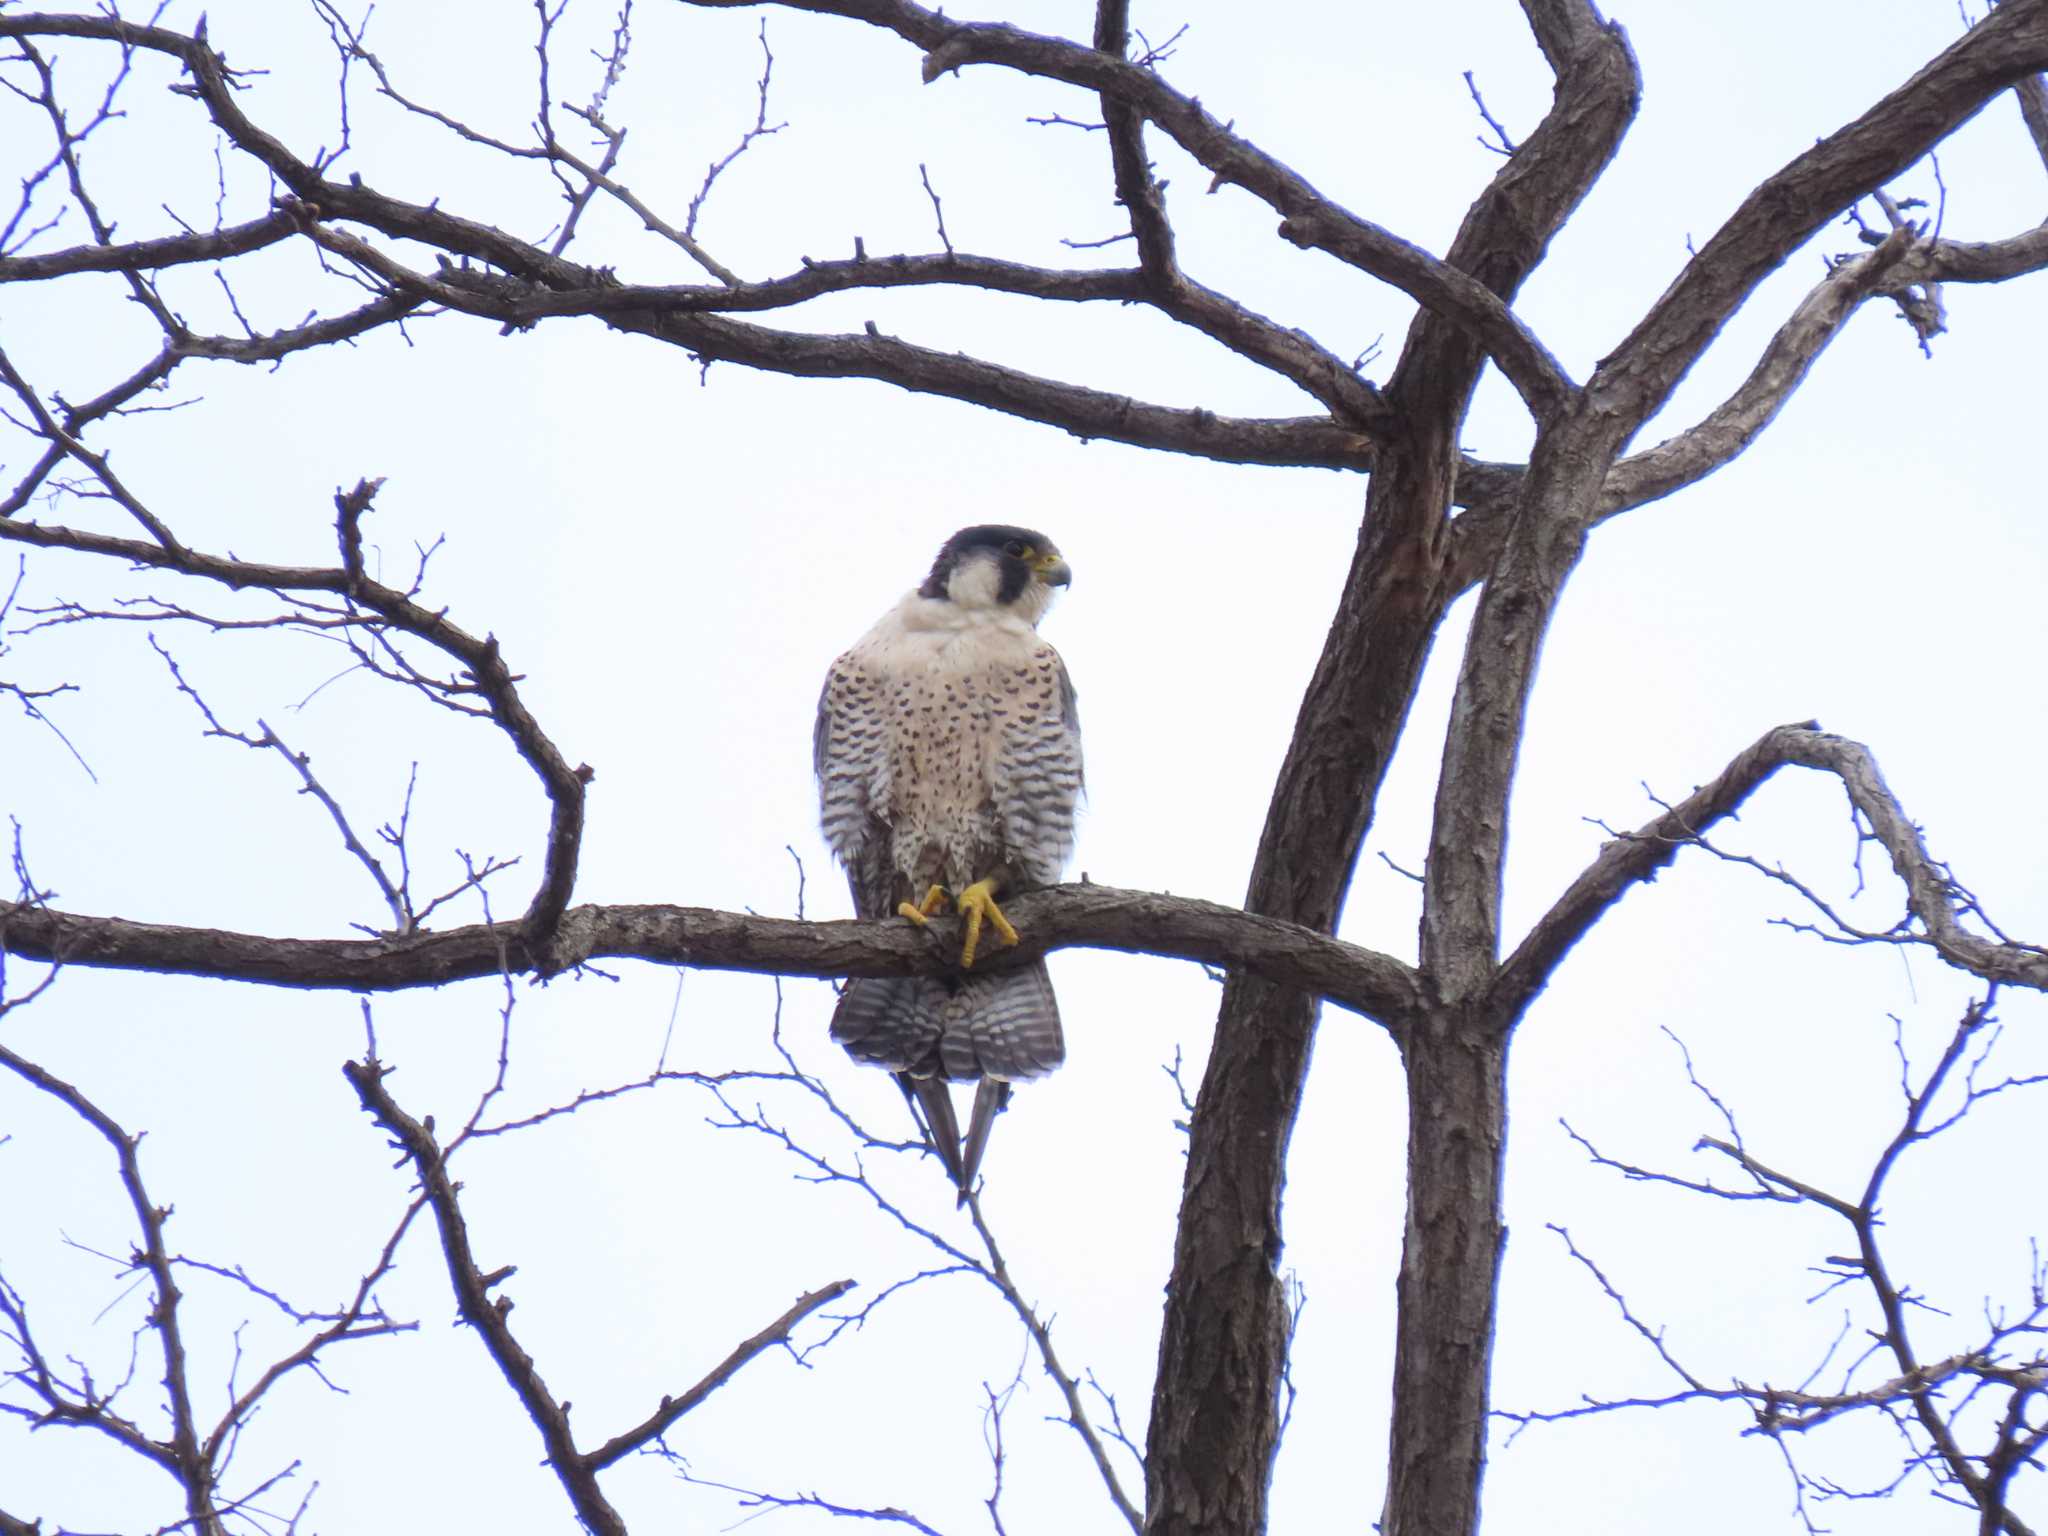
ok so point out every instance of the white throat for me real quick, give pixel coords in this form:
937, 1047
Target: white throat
973, 589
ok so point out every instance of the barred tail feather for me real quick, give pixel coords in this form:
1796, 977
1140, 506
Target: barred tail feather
891, 1021
991, 1098
931, 1106
1004, 1025
932, 1031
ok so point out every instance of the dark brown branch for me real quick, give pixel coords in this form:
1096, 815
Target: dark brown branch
361, 1319
686, 317
598, 178
663, 1418
473, 1300
184, 1455
1508, 228
2032, 94
1289, 353
1967, 261
1442, 290
269, 347
1455, 1065
1500, 144
80, 1403
1626, 862
1562, 28
1916, 1398
1731, 427
1789, 207
1067, 916
349, 42
1929, 892
591, 291
1504, 235
491, 678
1087, 413
1913, 1389
1309, 217
1142, 197
76, 418
1223, 1346
1468, 832
1461, 909
62, 435
1490, 490
394, 899
68, 142
150, 255
760, 129
1253, 336
820, 1168
997, 1273
63, 439
239, 575
1455, 1060
1506, 232
1808, 1192
1629, 860
1719, 438
1312, 441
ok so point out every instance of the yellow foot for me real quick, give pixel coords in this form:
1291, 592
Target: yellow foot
920, 913
978, 901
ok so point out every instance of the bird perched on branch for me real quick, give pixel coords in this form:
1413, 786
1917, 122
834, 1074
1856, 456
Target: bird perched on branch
948, 754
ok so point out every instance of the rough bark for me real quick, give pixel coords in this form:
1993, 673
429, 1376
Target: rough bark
1450, 1270
1087, 916
1215, 1424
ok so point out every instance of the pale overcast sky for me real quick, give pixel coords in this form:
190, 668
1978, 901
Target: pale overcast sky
672, 563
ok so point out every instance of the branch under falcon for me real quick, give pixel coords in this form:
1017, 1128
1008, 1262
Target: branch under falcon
949, 761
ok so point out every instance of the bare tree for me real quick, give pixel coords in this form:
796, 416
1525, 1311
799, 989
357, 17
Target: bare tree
1436, 525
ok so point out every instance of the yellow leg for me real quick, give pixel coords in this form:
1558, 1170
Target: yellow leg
919, 914
978, 901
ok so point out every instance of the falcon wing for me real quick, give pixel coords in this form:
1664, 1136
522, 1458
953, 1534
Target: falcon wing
1038, 775
849, 751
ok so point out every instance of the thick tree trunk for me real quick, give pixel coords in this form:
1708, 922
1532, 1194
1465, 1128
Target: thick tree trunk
1224, 1341
1450, 1265
1456, 1054
1215, 1420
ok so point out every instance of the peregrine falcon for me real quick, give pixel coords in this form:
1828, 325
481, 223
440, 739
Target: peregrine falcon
948, 755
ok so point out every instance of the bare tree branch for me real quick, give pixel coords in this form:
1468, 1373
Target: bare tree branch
182, 1455
998, 1274
1916, 1397
1309, 218
663, 1418
487, 675
575, 1470
152, 255
1221, 1395
473, 1299
1222, 1358
1088, 916
1789, 207
1722, 435
1637, 856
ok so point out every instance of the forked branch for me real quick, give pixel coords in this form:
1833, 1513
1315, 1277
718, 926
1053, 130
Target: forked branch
489, 1315
1933, 902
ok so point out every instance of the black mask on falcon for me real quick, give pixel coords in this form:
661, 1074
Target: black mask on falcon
1018, 553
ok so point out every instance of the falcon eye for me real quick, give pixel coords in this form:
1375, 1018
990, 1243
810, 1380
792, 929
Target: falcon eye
1016, 549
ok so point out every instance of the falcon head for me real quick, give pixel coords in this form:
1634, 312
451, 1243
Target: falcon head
994, 566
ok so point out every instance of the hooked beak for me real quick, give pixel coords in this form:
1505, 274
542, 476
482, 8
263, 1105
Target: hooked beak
1054, 571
